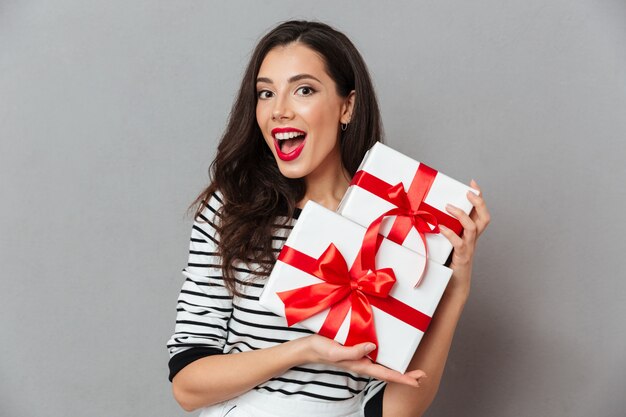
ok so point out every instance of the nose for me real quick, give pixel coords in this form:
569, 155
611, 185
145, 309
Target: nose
281, 110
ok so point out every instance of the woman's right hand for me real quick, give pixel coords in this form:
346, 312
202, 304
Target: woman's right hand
321, 349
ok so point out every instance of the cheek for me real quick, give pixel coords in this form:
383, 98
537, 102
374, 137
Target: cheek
329, 122
311, 113
322, 119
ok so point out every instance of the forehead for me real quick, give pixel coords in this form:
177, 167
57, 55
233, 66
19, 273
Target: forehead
291, 59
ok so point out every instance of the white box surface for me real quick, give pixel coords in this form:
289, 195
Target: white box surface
316, 229
393, 167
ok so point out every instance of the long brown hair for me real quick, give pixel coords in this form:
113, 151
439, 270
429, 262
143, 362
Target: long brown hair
254, 192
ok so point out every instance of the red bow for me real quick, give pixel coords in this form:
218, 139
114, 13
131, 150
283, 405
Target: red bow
341, 290
410, 215
407, 216
411, 210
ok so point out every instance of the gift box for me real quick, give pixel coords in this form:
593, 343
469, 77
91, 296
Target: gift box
348, 283
414, 195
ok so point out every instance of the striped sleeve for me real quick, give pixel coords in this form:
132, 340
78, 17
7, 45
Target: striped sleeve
204, 304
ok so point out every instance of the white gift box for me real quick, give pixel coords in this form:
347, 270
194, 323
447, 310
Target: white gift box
316, 229
393, 167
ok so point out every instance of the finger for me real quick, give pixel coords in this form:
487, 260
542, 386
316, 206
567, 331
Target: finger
343, 353
462, 252
480, 205
367, 367
454, 239
475, 186
411, 378
469, 227
417, 374
480, 214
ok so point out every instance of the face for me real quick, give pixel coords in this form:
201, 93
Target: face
299, 111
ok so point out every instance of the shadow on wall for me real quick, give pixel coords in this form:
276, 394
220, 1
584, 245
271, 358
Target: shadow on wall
478, 365
503, 363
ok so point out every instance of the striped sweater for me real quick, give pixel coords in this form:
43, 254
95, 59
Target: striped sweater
211, 321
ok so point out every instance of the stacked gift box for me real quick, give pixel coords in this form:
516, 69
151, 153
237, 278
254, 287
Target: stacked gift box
374, 270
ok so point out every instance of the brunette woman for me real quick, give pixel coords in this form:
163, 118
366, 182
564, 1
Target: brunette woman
304, 117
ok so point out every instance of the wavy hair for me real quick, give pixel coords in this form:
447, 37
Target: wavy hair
255, 193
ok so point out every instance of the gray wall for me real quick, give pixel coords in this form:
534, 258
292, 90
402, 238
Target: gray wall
109, 116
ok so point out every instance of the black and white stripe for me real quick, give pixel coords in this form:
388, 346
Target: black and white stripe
210, 321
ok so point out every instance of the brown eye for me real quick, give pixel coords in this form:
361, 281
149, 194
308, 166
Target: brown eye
305, 91
264, 94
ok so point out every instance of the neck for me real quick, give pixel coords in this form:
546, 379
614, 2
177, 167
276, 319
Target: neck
327, 184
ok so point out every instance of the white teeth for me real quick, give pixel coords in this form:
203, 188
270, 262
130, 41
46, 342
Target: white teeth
287, 135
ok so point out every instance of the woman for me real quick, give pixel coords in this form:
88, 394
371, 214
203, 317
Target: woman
304, 117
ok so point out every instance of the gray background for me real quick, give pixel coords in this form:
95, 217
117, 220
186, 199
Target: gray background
109, 116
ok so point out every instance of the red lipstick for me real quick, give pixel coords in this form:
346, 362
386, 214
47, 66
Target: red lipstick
282, 132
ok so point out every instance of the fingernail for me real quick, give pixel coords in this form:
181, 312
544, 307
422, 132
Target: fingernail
370, 347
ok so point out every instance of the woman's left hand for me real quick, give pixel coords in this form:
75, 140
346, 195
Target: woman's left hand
463, 254
320, 349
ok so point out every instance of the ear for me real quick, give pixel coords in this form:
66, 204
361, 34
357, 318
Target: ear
347, 107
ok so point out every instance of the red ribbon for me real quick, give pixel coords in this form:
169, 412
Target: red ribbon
359, 288
413, 211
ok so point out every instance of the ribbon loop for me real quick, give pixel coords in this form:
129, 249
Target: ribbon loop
359, 290
340, 286
377, 283
411, 211
398, 196
411, 199
332, 267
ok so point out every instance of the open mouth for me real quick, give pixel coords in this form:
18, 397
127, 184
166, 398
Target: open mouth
289, 143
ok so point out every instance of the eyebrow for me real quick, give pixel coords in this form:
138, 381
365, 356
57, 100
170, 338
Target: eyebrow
293, 79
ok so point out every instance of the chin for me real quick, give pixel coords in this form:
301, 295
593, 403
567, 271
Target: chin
291, 173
